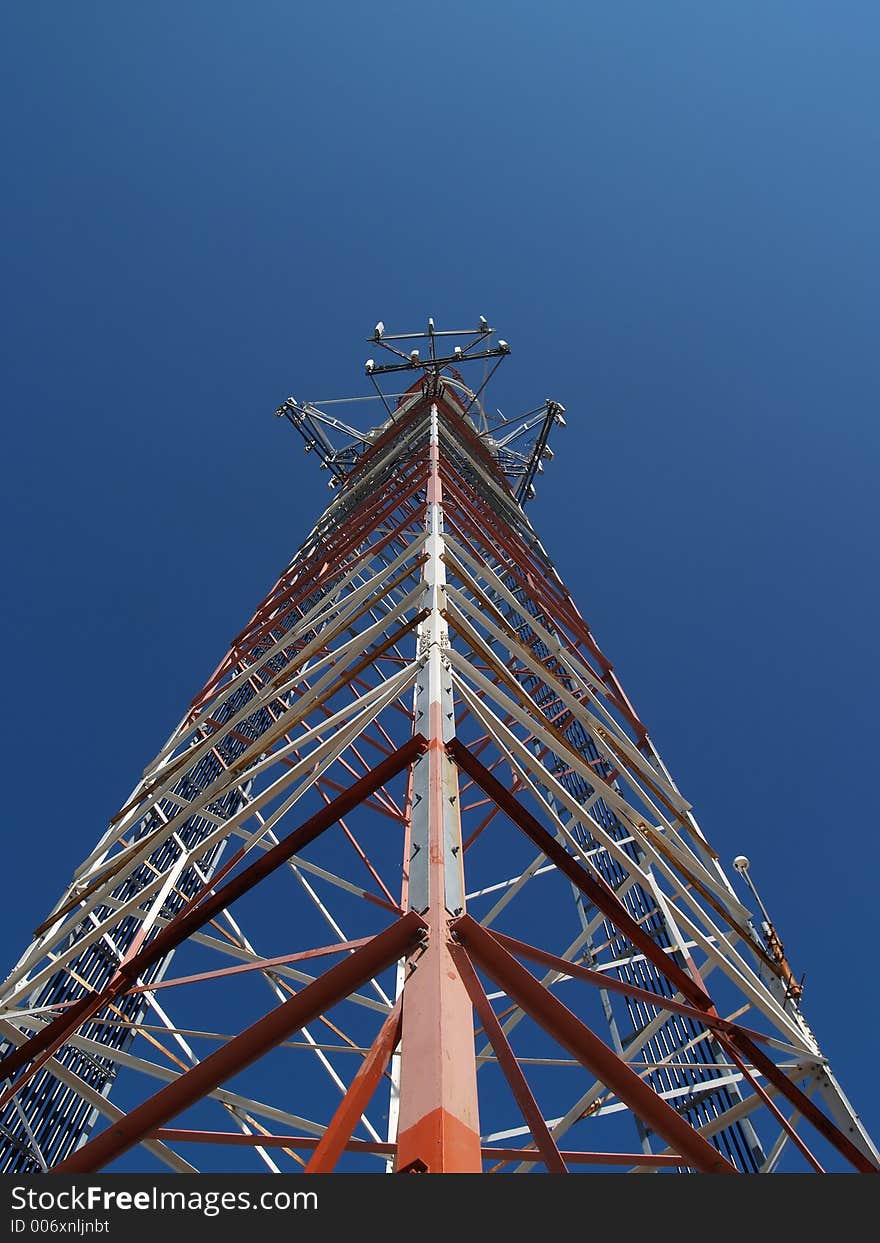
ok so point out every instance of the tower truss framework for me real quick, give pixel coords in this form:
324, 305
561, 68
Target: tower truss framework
410, 888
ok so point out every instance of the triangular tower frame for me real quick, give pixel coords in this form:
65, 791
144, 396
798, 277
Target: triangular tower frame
417, 686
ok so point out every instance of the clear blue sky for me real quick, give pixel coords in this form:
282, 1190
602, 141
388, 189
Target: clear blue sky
670, 211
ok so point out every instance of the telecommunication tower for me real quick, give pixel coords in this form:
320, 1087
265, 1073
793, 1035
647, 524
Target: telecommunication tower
410, 889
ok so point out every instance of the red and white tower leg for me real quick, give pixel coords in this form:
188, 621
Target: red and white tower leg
438, 1128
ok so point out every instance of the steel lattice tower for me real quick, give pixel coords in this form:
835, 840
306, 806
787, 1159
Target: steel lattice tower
411, 872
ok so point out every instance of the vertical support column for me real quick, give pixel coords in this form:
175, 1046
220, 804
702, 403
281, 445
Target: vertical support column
438, 1129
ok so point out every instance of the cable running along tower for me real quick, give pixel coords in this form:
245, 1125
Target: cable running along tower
409, 888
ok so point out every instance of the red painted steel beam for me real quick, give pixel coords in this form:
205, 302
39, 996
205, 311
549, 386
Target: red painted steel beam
553, 611
261, 964
267, 741
274, 622
588, 1158
371, 515
484, 823
325, 565
360, 852
599, 893
486, 521
780, 1080
733, 1037
560, 608
773, 1108
279, 1024
357, 1098
568, 1030
612, 985
312, 568
511, 1068
607, 901
235, 1139
202, 908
